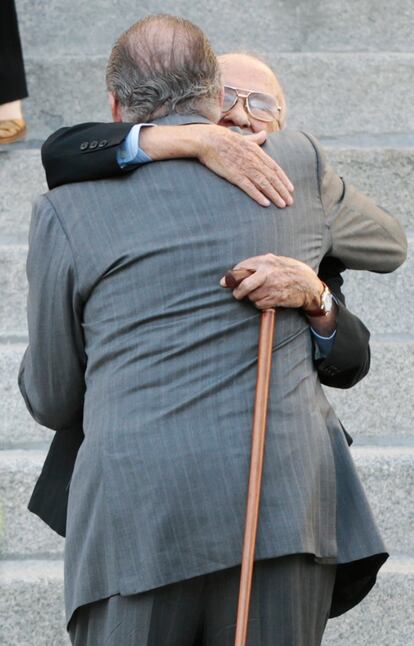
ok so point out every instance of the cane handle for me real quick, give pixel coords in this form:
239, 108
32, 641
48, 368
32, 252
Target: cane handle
235, 276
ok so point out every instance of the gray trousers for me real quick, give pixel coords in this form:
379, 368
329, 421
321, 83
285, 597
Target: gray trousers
289, 606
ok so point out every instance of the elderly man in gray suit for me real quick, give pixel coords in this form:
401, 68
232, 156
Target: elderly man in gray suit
131, 335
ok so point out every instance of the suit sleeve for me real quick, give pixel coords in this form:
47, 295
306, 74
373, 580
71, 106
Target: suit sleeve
51, 375
350, 357
84, 152
362, 235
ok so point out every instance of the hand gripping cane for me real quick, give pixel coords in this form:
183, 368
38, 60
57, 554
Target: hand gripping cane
264, 364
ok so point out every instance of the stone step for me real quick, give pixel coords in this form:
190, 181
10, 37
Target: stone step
13, 289
378, 408
381, 406
17, 427
383, 301
328, 94
270, 24
375, 298
387, 474
32, 607
22, 532
380, 173
21, 180
384, 617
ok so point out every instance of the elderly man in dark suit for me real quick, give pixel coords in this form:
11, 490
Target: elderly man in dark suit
130, 335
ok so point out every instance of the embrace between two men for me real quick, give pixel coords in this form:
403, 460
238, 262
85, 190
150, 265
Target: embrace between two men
145, 367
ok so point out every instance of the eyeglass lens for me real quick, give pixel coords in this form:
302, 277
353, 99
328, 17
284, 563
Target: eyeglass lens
261, 106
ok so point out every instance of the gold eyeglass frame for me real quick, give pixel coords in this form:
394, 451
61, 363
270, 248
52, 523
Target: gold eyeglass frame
241, 93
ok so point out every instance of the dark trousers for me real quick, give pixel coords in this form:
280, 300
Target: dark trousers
12, 75
289, 606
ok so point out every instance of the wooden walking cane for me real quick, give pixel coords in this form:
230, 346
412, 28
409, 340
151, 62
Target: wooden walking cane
264, 364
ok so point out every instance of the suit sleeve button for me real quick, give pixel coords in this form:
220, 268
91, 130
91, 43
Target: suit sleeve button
84, 145
93, 145
102, 143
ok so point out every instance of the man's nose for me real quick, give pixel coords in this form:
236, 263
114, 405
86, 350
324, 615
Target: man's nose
237, 116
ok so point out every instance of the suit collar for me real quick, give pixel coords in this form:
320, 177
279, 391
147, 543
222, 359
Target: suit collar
181, 119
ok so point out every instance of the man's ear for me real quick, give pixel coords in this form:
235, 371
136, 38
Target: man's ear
115, 107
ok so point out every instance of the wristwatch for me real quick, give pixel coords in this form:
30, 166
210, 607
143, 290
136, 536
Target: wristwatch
326, 304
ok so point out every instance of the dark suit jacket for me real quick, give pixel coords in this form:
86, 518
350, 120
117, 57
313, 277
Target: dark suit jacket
157, 492
88, 152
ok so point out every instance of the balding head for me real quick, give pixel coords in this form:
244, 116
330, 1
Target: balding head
247, 71
163, 64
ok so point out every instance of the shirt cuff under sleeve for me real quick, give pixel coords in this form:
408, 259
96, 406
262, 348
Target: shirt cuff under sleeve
324, 344
129, 153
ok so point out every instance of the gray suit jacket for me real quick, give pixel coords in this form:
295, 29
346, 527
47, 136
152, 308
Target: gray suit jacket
131, 335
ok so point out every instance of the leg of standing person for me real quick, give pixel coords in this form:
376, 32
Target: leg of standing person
166, 616
13, 85
290, 603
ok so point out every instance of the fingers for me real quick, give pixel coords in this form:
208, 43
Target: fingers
241, 271
275, 168
274, 189
252, 191
271, 181
277, 281
248, 285
255, 262
285, 179
234, 277
271, 173
257, 137
264, 304
241, 161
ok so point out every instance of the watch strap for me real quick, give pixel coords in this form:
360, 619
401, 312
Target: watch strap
320, 311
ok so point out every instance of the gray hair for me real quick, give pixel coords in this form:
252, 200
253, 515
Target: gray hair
163, 64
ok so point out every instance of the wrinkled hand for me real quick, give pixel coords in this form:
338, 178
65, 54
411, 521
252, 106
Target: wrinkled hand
278, 281
240, 160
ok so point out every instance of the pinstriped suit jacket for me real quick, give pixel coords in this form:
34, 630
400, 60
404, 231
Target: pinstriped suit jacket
131, 335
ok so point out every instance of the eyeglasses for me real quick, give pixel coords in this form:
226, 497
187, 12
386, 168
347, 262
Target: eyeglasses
263, 107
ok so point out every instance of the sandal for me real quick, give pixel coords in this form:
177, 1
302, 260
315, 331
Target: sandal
11, 130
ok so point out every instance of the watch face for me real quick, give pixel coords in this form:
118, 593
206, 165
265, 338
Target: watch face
327, 301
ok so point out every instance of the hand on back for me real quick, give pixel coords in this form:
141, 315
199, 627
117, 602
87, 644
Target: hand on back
240, 160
